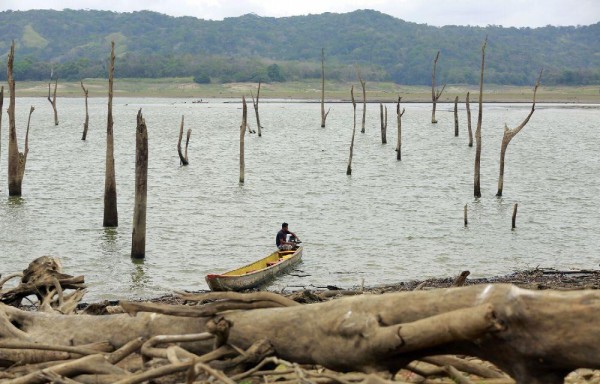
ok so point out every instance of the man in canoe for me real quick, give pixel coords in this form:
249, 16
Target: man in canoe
282, 240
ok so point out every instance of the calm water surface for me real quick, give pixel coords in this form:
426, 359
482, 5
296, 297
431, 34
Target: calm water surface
390, 221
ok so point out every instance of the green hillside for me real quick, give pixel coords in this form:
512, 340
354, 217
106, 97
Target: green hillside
251, 48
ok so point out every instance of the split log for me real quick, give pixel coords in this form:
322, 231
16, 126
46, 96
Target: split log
111, 216
53, 99
535, 336
138, 236
476, 175
323, 114
183, 158
242, 131
87, 116
16, 159
383, 118
456, 117
435, 94
349, 168
510, 133
255, 104
399, 119
468, 106
364, 92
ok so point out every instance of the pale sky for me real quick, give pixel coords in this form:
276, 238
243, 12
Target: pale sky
508, 13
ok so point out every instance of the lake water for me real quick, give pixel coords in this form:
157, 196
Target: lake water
390, 221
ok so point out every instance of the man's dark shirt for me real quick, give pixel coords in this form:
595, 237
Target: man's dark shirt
280, 238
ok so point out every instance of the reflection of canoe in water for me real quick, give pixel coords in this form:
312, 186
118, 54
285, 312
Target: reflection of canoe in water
255, 274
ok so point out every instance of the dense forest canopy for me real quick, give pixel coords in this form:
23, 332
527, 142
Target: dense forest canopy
75, 44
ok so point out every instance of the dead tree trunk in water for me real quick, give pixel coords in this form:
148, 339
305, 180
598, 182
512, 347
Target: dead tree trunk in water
349, 169
399, 118
508, 136
242, 132
183, 159
138, 236
514, 216
53, 99
111, 216
469, 121
16, 160
364, 92
435, 94
323, 114
383, 117
477, 178
255, 104
456, 117
87, 116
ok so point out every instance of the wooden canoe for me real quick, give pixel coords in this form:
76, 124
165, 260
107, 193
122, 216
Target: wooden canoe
255, 274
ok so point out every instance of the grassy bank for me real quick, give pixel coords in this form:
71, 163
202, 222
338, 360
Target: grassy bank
308, 90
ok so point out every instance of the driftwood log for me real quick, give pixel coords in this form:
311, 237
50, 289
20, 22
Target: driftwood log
537, 337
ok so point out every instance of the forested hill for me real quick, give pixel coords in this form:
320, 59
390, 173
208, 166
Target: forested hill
76, 44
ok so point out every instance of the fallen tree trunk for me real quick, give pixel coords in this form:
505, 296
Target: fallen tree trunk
536, 337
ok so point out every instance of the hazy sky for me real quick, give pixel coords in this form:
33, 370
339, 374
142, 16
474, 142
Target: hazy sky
508, 13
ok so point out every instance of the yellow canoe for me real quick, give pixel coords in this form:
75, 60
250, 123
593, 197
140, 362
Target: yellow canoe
255, 274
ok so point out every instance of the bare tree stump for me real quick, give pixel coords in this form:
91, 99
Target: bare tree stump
456, 117
435, 94
138, 236
255, 104
476, 175
510, 133
468, 106
383, 119
53, 99
183, 158
111, 216
349, 168
87, 116
16, 160
242, 131
364, 92
323, 114
399, 139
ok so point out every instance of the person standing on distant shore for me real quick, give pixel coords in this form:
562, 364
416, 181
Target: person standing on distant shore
282, 240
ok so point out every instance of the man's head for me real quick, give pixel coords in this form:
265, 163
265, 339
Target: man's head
284, 226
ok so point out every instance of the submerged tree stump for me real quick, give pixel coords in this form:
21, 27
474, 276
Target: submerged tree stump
435, 93
87, 116
138, 236
399, 139
52, 99
349, 168
111, 216
476, 173
323, 114
183, 157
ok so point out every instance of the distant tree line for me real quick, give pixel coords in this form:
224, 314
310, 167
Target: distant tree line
251, 48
